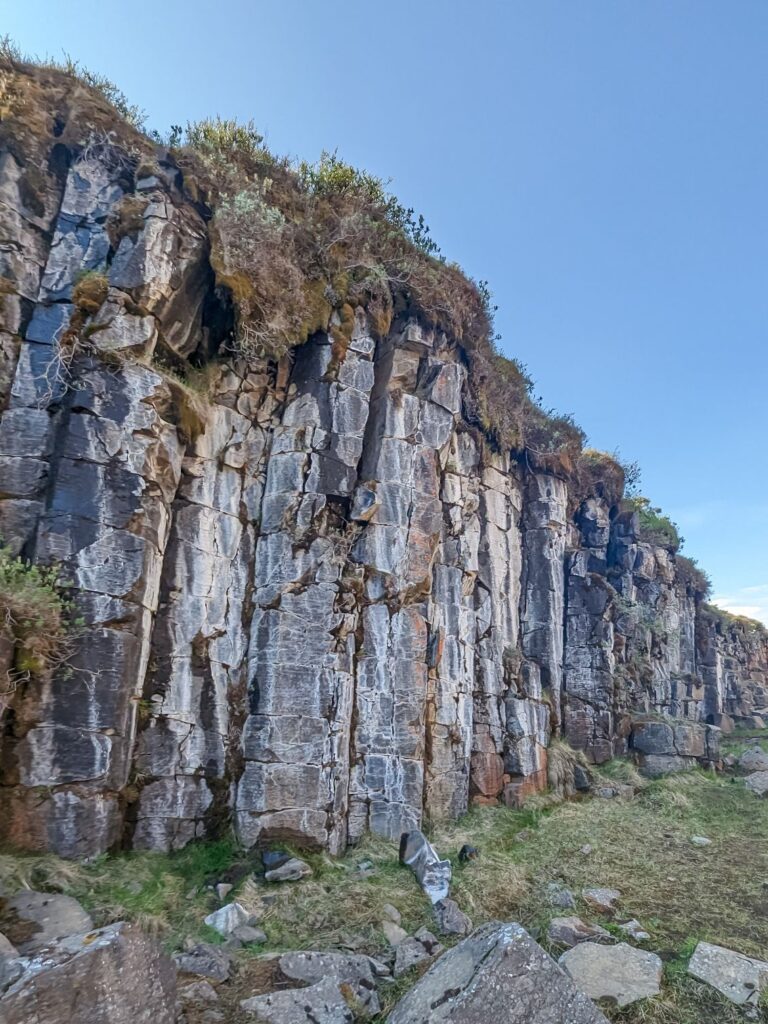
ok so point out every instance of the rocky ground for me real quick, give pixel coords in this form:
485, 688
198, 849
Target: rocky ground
633, 872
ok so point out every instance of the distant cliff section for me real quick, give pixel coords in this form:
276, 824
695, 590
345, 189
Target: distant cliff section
329, 568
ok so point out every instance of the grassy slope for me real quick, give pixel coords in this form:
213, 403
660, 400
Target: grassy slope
680, 893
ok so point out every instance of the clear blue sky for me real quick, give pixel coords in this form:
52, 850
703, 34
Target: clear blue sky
603, 163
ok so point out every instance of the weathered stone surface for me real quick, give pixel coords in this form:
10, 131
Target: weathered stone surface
602, 900
408, 954
635, 930
206, 961
31, 920
559, 896
433, 874
393, 932
757, 783
198, 992
497, 973
291, 870
228, 919
450, 919
740, 978
321, 1003
619, 973
570, 931
360, 974
247, 934
701, 841
754, 760
114, 975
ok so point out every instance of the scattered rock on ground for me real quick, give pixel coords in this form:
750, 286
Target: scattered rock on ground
757, 783
620, 972
433, 874
499, 974
635, 930
112, 975
321, 1003
420, 947
616, 791
31, 920
415, 950
468, 852
559, 896
228, 918
289, 871
429, 941
602, 900
392, 913
197, 992
272, 859
586, 849
450, 919
570, 931
393, 932
700, 841
206, 961
249, 935
524, 835
582, 778
739, 978
754, 760
223, 889
729, 761
353, 971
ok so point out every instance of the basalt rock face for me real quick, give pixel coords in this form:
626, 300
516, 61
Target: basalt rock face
315, 600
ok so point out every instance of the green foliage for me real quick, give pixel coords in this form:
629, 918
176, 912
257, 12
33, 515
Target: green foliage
726, 620
332, 176
655, 527
692, 576
501, 401
33, 614
632, 475
220, 138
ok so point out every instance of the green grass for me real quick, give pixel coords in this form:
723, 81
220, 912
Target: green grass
680, 893
740, 741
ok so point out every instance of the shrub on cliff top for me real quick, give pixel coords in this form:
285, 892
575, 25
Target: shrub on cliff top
599, 475
655, 527
727, 620
692, 576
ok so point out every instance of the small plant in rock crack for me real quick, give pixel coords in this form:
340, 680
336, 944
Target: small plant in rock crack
36, 622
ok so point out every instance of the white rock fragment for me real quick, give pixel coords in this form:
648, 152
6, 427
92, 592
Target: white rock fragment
739, 978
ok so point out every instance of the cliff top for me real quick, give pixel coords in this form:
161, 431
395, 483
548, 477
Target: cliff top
297, 245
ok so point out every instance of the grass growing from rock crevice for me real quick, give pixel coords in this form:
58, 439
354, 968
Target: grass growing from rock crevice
680, 893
